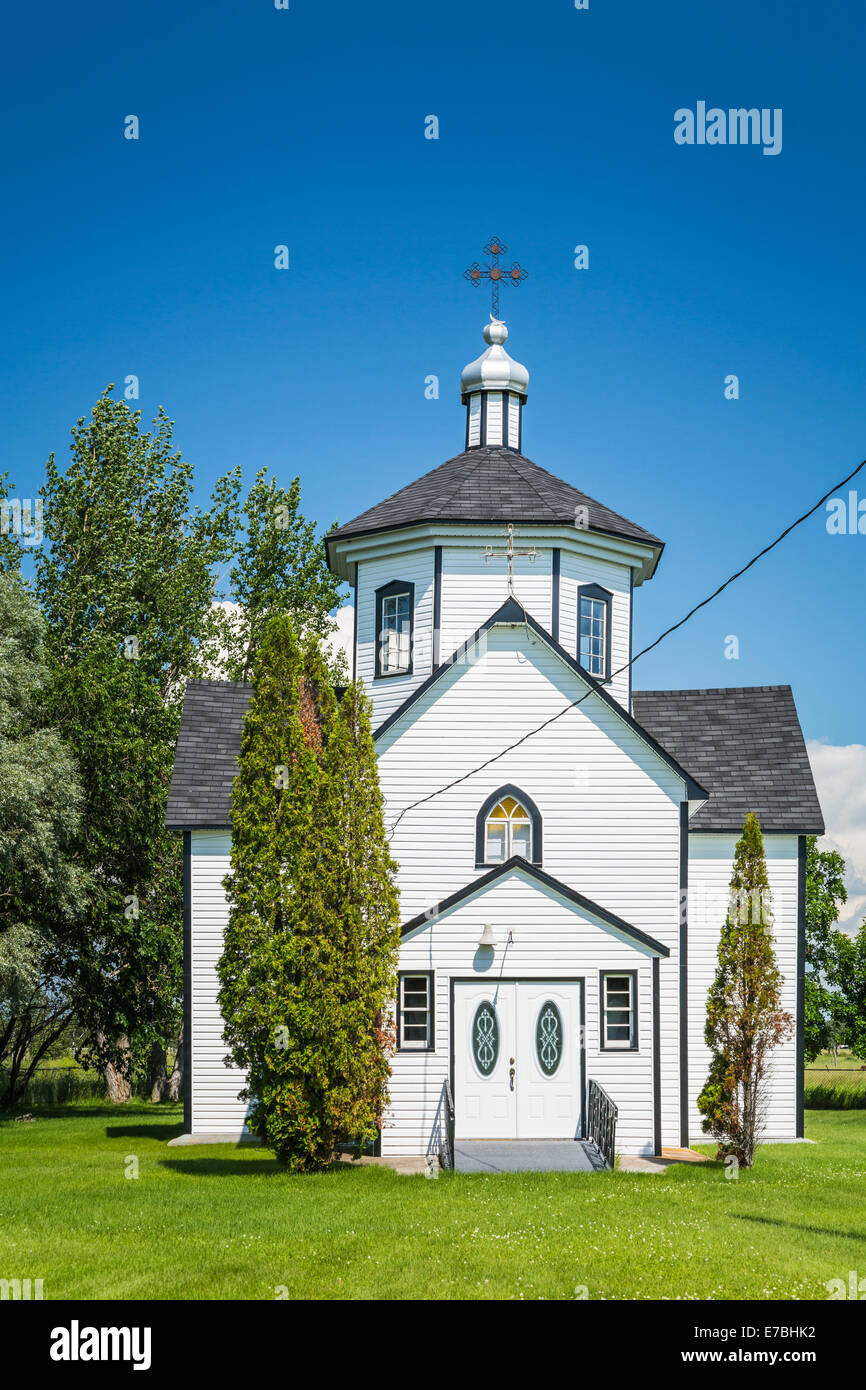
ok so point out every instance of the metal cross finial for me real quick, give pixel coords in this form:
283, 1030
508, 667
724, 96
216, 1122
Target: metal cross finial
510, 554
495, 273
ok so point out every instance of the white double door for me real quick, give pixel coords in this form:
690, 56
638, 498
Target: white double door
517, 1059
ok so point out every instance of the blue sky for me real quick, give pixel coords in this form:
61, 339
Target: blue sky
306, 127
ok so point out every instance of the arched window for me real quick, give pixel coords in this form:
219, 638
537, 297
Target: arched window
508, 826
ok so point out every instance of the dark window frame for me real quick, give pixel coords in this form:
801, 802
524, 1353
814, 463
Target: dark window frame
634, 1045
606, 596
481, 861
390, 590
430, 976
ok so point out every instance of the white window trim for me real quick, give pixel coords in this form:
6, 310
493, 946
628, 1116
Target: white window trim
509, 822
415, 1044
619, 1044
594, 664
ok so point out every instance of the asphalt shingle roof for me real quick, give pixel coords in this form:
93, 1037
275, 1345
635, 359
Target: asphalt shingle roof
745, 745
489, 484
205, 764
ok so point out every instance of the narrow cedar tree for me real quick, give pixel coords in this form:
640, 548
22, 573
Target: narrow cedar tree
745, 1020
310, 950
359, 915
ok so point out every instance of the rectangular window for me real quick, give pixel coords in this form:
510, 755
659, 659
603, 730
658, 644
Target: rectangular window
495, 842
521, 839
415, 1013
395, 634
593, 636
619, 1010
395, 612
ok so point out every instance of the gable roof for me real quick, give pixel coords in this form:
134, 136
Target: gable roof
516, 864
512, 613
489, 484
746, 745
205, 763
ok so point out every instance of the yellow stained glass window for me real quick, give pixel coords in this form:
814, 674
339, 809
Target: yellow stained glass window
509, 832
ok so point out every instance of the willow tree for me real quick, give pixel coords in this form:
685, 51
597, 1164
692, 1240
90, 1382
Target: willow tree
308, 969
41, 883
745, 1019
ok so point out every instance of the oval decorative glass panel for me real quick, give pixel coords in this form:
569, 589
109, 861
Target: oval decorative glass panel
548, 1037
485, 1038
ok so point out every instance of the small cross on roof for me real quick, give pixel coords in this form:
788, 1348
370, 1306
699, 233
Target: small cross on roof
495, 273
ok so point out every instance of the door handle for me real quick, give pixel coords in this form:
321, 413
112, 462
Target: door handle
511, 1074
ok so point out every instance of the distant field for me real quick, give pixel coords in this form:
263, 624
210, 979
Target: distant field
845, 1061
831, 1087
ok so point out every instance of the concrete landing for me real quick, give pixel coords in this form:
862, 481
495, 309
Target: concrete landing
659, 1163
185, 1140
526, 1156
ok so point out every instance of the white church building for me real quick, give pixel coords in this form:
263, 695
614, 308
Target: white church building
564, 841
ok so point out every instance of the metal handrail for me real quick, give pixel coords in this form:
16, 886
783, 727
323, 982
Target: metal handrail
601, 1122
446, 1153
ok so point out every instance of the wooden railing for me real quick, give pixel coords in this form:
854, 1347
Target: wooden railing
601, 1122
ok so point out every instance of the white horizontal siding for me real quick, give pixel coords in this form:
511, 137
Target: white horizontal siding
606, 799
577, 568
474, 588
710, 865
215, 1105
609, 804
610, 809
550, 938
415, 565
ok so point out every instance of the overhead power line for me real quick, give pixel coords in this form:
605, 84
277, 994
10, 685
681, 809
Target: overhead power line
667, 632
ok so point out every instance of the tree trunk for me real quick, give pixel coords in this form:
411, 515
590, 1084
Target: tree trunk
156, 1071
25, 1056
117, 1078
175, 1081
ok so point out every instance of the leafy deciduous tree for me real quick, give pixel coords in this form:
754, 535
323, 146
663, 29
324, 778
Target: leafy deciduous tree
126, 585
280, 567
848, 975
825, 891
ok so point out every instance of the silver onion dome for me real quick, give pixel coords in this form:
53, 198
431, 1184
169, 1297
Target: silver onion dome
494, 370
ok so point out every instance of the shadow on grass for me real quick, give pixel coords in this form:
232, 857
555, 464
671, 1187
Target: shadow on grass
233, 1167
797, 1226
157, 1130
91, 1111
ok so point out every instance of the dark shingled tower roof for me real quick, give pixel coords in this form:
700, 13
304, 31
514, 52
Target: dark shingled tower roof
745, 745
489, 484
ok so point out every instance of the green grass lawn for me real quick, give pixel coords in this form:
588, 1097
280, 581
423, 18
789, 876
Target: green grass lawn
223, 1222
